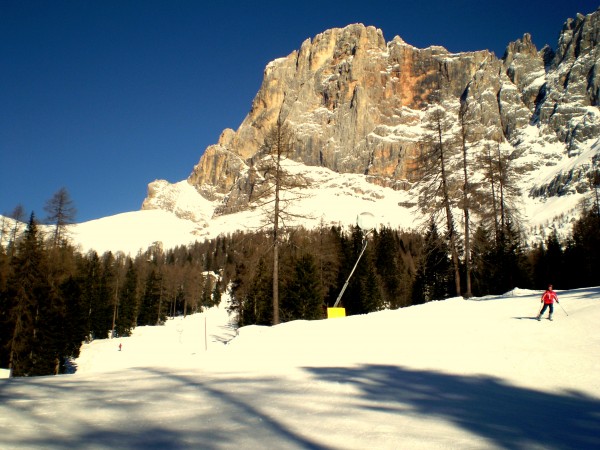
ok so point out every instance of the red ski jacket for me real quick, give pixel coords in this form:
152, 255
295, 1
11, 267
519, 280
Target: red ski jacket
549, 297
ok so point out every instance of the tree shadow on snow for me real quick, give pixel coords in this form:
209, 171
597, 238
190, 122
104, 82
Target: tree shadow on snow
508, 416
228, 332
162, 409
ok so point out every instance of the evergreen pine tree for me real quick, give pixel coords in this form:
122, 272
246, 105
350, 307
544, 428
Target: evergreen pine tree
108, 293
207, 290
257, 304
303, 298
95, 298
583, 252
434, 272
4, 307
128, 302
329, 259
389, 265
150, 304
549, 265
363, 294
237, 292
482, 257
76, 317
510, 269
50, 340
216, 294
371, 298
351, 248
27, 288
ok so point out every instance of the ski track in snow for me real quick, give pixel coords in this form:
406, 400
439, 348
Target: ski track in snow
464, 374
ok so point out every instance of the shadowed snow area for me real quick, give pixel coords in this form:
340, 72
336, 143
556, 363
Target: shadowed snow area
465, 374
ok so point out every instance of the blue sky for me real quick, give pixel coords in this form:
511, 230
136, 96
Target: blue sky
103, 97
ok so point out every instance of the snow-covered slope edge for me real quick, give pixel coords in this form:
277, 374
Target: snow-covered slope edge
332, 199
477, 374
134, 231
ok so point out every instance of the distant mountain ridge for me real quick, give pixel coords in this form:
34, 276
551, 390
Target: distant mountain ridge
356, 104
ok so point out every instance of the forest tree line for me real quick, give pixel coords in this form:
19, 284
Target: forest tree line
53, 298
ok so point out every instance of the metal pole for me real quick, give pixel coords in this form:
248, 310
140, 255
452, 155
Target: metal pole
353, 269
115, 309
561, 307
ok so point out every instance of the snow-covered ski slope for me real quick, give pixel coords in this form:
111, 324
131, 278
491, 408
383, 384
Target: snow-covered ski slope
454, 374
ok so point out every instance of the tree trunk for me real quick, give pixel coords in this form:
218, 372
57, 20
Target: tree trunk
501, 177
449, 218
466, 205
275, 283
492, 180
276, 241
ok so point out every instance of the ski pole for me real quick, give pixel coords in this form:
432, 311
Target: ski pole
561, 307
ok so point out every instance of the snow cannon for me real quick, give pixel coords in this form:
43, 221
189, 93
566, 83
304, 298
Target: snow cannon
366, 222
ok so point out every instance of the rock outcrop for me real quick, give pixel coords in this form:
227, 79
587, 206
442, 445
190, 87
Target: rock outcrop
356, 104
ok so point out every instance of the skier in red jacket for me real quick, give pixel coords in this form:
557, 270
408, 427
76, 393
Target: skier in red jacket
548, 299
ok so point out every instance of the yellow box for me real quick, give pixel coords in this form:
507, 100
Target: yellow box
332, 313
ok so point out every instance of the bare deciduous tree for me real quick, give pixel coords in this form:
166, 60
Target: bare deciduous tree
438, 148
594, 180
465, 136
273, 190
18, 215
61, 213
498, 172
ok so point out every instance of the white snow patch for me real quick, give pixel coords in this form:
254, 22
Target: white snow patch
132, 231
477, 374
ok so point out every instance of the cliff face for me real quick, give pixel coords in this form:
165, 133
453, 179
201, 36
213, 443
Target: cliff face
353, 101
569, 97
356, 104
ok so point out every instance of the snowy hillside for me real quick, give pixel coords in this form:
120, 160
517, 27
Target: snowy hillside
132, 231
332, 199
464, 374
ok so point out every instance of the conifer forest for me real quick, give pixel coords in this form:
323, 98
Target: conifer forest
53, 298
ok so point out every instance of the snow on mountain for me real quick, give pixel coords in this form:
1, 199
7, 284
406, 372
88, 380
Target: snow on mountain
476, 374
134, 231
180, 198
331, 199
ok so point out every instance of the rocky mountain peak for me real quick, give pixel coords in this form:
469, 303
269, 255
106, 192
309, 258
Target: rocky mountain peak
351, 98
572, 84
578, 37
523, 46
356, 103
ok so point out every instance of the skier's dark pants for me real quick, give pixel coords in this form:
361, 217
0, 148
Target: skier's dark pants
546, 307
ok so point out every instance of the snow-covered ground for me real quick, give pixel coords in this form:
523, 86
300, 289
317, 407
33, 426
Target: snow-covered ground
461, 374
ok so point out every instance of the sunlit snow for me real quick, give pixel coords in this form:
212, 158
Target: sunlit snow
464, 374
332, 199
